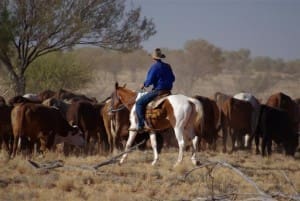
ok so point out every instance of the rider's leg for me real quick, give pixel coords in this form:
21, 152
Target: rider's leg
141, 107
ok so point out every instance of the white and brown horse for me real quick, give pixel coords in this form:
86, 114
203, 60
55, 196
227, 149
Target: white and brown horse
182, 113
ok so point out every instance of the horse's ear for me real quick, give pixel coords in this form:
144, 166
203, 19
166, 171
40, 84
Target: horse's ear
124, 85
116, 85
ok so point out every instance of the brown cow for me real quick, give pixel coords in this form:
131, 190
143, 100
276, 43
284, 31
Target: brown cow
87, 116
46, 94
220, 98
42, 124
236, 115
210, 121
20, 99
255, 106
66, 95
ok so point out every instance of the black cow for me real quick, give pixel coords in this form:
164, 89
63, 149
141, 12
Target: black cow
5, 125
274, 124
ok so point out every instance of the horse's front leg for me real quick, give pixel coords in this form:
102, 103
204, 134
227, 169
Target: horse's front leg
154, 148
129, 142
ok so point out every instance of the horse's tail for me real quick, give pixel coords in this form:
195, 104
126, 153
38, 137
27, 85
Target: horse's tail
199, 115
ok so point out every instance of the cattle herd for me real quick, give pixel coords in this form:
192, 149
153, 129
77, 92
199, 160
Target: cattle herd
37, 123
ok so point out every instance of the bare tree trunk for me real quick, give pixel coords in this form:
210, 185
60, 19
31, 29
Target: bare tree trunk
20, 84
16, 74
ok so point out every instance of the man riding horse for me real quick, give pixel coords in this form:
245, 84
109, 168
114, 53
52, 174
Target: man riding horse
161, 76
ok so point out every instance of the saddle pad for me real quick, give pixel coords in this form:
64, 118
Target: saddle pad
156, 102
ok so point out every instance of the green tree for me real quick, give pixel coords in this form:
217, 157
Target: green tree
32, 28
56, 70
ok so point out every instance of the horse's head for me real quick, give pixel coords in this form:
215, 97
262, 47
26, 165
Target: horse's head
122, 97
116, 100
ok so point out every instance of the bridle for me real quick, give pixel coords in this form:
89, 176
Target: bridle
121, 106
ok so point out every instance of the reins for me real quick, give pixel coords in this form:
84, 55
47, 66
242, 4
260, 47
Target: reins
121, 107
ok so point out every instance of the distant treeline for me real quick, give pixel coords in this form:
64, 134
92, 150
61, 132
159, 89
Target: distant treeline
200, 68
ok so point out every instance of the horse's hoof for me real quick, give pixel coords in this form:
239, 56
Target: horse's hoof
176, 164
154, 162
194, 161
121, 162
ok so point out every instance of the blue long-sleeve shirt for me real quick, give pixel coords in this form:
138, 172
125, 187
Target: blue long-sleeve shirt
160, 75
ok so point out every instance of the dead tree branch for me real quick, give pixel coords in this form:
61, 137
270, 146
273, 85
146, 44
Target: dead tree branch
59, 163
47, 165
114, 159
290, 182
227, 165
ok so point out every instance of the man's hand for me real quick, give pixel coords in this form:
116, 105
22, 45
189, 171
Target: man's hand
142, 87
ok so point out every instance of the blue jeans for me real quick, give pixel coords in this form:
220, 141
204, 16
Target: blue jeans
141, 104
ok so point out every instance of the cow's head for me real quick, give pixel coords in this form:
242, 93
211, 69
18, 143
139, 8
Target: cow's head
74, 137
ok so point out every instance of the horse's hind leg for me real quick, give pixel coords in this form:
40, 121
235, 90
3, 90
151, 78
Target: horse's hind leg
194, 150
154, 147
180, 140
129, 142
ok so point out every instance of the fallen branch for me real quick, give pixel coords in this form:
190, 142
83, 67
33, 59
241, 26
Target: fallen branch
287, 197
290, 169
227, 165
47, 165
290, 182
114, 159
233, 196
59, 163
254, 197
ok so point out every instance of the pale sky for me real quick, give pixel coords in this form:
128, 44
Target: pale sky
266, 27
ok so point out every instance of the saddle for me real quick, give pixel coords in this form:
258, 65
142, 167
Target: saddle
154, 112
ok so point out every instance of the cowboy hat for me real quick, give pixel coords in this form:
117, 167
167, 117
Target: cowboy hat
157, 54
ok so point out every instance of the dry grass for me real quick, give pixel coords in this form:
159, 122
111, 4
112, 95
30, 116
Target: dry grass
138, 180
